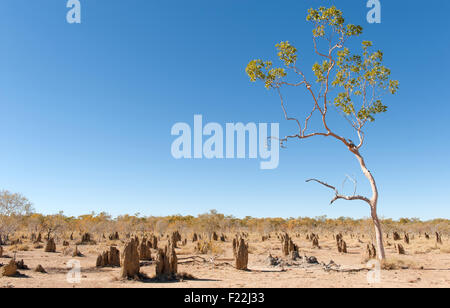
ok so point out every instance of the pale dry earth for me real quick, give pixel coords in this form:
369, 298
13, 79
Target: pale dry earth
428, 267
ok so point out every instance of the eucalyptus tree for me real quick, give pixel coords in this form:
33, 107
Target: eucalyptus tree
13, 207
353, 82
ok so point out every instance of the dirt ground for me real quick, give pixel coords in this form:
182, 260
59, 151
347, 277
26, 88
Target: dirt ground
425, 265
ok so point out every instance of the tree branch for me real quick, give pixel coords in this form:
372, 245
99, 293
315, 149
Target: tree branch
338, 195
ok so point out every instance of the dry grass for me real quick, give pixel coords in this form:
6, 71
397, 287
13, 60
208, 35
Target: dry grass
209, 247
444, 249
398, 270
422, 251
396, 263
19, 247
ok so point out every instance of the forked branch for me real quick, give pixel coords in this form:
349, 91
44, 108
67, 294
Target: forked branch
338, 195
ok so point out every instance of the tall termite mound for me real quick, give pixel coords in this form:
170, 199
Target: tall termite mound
240, 251
400, 249
130, 260
314, 238
438, 238
166, 263
144, 250
406, 239
50, 246
175, 237
136, 240
194, 238
153, 242
341, 244
215, 237
109, 258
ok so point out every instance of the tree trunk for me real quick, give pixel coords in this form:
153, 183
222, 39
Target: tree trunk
373, 206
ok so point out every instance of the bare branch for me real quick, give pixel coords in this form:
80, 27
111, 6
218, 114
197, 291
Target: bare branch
282, 141
339, 196
355, 183
285, 112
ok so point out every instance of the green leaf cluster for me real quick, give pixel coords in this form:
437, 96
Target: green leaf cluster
361, 78
358, 75
331, 17
287, 53
263, 70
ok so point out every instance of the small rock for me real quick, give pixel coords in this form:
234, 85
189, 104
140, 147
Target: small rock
311, 260
21, 265
273, 261
40, 269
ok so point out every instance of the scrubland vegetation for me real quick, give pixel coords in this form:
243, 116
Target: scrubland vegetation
60, 226
213, 250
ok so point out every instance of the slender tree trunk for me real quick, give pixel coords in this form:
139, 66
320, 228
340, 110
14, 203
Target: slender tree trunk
373, 206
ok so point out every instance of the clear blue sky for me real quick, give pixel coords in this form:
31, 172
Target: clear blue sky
86, 110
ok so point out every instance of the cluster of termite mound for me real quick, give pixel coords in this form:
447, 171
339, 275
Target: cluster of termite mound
371, 252
12, 268
288, 247
141, 251
167, 262
135, 251
109, 258
145, 250
216, 237
314, 238
86, 239
265, 238
407, 238
114, 236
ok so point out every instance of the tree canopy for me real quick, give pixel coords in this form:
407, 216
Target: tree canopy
359, 78
14, 204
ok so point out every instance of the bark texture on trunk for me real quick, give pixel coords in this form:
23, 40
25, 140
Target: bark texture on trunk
373, 206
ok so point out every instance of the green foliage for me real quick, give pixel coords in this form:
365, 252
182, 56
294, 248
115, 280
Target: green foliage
287, 53
321, 70
207, 223
331, 17
360, 78
257, 69
14, 204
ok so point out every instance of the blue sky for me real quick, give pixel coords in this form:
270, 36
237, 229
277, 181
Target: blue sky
86, 110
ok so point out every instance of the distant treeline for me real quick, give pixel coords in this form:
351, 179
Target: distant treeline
60, 224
